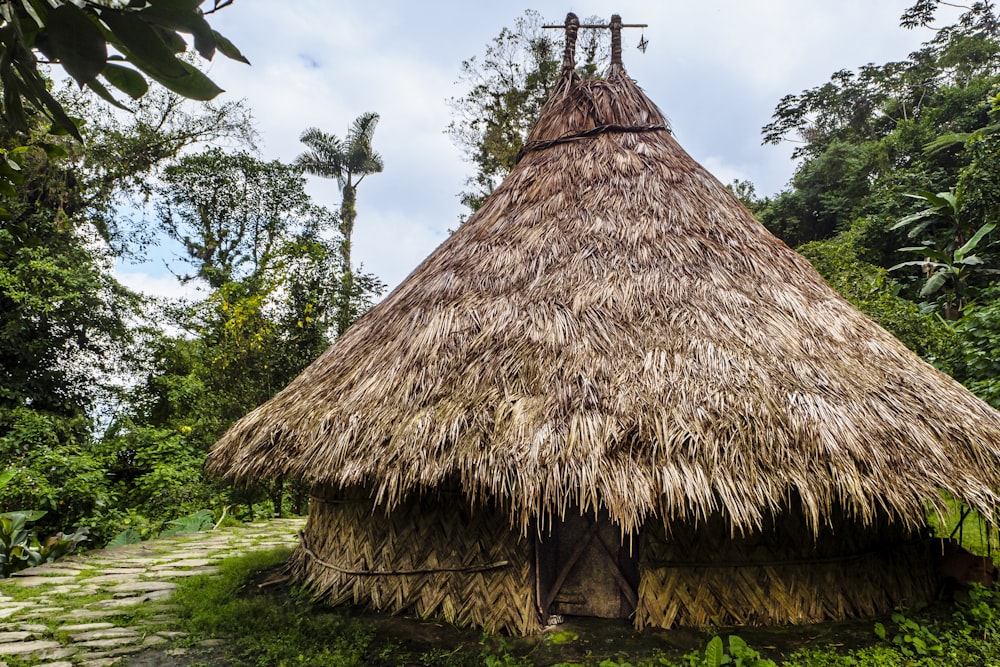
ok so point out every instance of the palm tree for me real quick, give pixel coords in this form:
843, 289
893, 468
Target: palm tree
348, 160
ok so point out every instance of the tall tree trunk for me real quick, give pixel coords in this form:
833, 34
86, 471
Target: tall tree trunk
347, 215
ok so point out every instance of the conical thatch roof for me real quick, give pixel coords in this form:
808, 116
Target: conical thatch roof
614, 328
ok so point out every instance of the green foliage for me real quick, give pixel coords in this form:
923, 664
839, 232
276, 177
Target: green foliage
862, 135
950, 258
158, 475
231, 212
739, 654
912, 638
192, 523
974, 359
57, 305
20, 547
52, 469
77, 36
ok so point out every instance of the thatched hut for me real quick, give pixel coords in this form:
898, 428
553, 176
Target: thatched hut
613, 393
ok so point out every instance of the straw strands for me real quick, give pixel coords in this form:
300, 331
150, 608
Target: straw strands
613, 329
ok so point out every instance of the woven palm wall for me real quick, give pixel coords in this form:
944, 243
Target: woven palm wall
427, 557
702, 575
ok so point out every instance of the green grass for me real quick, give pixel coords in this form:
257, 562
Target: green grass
283, 630
976, 535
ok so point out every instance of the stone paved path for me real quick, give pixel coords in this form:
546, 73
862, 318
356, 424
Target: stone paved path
82, 610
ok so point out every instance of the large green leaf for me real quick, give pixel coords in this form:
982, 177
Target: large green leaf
126, 80
105, 94
12, 98
170, 37
971, 244
141, 44
180, 16
936, 281
922, 264
229, 49
714, 652
193, 84
35, 90
77, 42
127, 536
24, 515
927, 212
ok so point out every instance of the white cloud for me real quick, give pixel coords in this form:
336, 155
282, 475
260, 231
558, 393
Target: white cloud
156, 285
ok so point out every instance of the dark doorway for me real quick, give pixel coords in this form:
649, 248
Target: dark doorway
585, 568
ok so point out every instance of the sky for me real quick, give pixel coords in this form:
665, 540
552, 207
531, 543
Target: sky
717, 69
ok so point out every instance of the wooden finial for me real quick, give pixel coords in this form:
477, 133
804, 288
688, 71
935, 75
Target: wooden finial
572, 26
569, 50
616, 45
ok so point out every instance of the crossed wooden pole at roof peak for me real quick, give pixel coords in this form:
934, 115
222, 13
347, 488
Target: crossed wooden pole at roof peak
572, 26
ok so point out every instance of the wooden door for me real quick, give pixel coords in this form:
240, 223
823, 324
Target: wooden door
585, 569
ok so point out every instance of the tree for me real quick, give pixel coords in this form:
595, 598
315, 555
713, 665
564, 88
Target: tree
230, 212
980, 16
862, 137
77, 36
70, 334
349, 161
507, 89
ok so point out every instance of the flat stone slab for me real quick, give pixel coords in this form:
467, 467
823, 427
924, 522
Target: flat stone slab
105, 633
85, 614
60, 568
61, 663
29, 582
110, 642
114, 578
54, 653
211, 643
7, 611
86, 627
143, 586
185, 562
42, 612
31, 627
63, 590
17, 636
27, 647
99, 662
132, 600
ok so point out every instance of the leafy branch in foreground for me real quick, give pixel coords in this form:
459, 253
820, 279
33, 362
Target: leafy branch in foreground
120, 42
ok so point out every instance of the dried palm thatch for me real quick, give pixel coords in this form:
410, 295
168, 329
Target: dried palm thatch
613, 328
